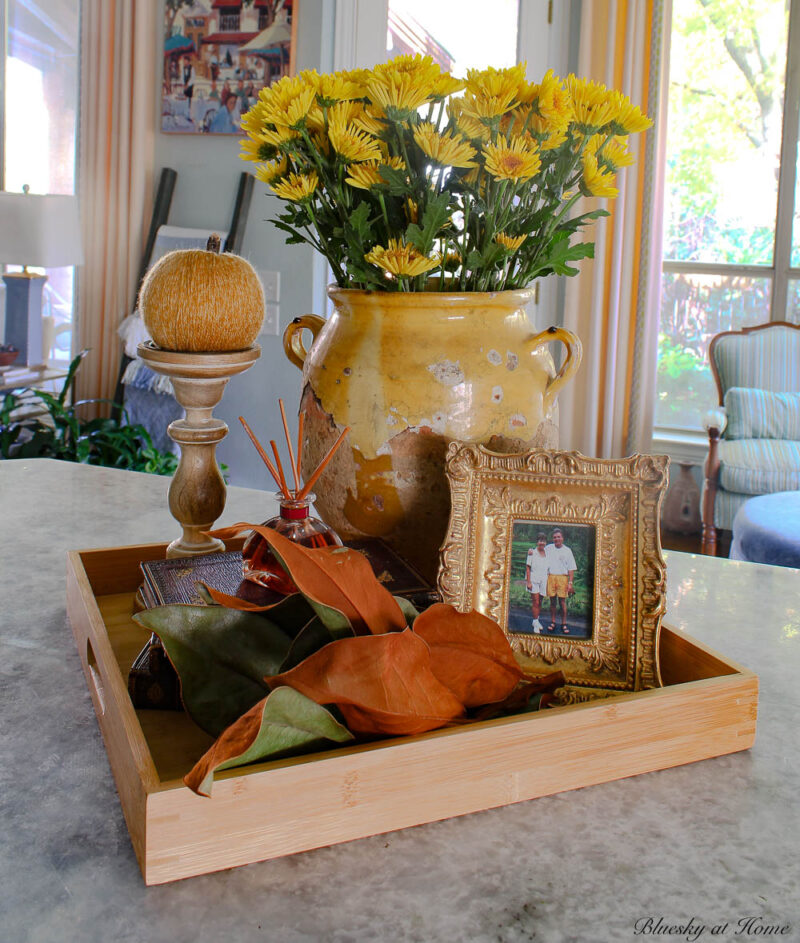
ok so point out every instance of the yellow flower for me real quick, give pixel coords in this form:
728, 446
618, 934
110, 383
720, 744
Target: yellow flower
628, 118
292, 113
277, 137
296, 187
471, 127
315, 119
272, 171
367, 120
596, 182
404, 83
412, 210
336, 86
592, 104
251, 149
614, 154
553, 101
368, 174
342, 114
253, 119
514, 160
487, 106
510, 242
443, 149
556, 139
497, 83
353, 144
277, 99
446, 85
401, 260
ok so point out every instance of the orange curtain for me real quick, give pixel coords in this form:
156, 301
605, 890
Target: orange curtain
116, 164
613, 305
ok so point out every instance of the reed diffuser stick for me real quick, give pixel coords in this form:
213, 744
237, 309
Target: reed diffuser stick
321, 467
295, 465
264, 457
300, 426
285, 486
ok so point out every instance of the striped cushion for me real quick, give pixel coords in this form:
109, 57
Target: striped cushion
760, 414
759, 466
764, 360
726, 504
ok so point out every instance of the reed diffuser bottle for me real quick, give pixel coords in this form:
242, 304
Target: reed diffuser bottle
295, 520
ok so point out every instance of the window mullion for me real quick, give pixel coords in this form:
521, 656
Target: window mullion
788, 169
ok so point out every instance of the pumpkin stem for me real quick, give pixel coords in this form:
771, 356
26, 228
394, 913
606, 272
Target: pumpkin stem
214, 244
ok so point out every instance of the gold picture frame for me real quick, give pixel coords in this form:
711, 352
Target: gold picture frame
617, 503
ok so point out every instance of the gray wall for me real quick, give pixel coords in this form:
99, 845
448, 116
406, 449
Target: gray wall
208, 170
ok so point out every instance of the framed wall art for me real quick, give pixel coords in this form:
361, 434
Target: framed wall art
218, 55
563, 551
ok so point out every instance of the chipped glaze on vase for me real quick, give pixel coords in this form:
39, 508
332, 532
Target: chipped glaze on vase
409, 373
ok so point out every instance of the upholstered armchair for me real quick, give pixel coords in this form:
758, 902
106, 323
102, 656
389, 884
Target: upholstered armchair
754, 433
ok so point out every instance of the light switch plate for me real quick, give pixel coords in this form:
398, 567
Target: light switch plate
272, 286
271, 323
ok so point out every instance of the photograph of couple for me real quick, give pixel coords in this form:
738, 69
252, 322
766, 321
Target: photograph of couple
552, 580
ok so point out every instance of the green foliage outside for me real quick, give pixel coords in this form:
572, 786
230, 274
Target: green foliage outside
60, 433
580, 539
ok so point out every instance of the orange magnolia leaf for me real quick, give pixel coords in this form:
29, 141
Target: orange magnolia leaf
382, 684
336, 577
470, 654
235, 602
519, 699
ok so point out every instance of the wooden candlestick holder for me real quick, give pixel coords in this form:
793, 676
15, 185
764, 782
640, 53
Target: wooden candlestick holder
197, 492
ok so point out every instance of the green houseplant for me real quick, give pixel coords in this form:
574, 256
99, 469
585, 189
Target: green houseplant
58, 431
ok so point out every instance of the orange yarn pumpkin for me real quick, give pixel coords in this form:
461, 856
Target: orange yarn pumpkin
202, 300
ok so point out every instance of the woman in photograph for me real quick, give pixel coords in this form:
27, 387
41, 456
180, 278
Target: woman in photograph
536, 573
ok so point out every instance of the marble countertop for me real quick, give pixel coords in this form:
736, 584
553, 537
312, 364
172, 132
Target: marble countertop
716, 842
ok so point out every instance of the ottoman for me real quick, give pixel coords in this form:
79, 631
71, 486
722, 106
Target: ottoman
766, 529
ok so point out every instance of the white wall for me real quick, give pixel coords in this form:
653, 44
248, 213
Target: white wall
208, 172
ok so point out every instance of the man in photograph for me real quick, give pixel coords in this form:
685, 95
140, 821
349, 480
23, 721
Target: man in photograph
536, 571
560, 580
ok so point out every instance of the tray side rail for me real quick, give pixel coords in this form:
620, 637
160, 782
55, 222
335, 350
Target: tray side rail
129, 756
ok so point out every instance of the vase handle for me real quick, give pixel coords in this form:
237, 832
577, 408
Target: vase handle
571, 362
293, 339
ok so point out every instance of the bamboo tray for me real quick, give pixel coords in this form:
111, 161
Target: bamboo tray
708, 708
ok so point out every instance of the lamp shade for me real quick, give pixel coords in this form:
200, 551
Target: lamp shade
40, 230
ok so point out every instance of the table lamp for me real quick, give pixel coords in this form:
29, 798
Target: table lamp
39, 230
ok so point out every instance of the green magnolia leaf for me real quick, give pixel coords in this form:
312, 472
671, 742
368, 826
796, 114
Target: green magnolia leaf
408, 608
221, 656
291, 614
309, 639
286, 722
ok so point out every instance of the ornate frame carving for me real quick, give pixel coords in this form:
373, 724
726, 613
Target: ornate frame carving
621, 499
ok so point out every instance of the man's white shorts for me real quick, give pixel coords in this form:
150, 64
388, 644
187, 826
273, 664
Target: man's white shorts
540, 587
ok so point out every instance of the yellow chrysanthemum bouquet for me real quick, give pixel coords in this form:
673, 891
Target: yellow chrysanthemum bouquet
404, 183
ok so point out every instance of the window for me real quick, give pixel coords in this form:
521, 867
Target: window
732, 208
39, 118
446, 32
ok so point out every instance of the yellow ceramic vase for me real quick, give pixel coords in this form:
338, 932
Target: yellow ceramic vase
410, 373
